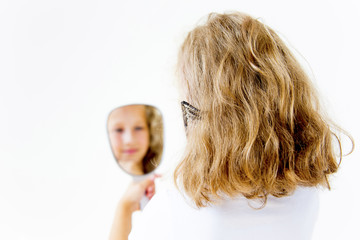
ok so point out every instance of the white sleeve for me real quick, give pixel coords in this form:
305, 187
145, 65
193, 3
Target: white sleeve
154, 221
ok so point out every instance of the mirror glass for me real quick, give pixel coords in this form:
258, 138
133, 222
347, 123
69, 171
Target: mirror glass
136, 137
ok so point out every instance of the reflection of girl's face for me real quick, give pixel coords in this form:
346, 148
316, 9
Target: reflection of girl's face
129, 136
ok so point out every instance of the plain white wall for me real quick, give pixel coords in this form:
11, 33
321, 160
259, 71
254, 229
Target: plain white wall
65, 64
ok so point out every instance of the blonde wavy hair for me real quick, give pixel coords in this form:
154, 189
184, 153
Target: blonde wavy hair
155, 123
260, 131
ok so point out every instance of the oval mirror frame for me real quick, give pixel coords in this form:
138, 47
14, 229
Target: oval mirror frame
136, 137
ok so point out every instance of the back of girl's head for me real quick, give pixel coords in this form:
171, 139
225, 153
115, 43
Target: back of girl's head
259, 131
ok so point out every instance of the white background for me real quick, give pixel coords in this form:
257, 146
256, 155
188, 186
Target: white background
65, 64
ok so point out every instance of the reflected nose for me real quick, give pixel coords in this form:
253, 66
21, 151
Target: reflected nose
128, 137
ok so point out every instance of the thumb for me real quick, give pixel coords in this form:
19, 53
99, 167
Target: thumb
146, 183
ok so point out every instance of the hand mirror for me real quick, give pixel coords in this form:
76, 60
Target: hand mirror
136, 138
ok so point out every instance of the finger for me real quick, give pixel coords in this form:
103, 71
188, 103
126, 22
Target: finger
146, 183
150, 188
150, 195
157, 175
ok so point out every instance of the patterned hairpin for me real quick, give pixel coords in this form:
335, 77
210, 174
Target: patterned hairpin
189, 112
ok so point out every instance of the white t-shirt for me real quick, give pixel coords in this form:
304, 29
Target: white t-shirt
170, 216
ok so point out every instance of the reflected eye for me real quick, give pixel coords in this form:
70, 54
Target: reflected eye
139, 128
119, 130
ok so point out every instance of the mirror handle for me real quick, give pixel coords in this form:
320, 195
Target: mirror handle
144, 200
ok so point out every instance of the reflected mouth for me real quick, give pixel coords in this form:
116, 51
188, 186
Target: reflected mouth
130, 151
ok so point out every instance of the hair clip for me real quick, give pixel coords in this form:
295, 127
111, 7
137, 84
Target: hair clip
189, 112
